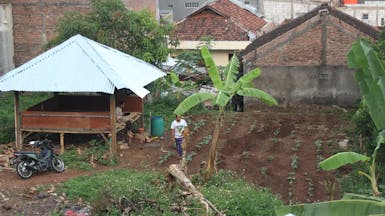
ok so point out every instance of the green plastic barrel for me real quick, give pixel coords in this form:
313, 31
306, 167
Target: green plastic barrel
157, 126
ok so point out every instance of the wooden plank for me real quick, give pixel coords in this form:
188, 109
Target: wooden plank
18, 134
113, 146
66, 120
61, 143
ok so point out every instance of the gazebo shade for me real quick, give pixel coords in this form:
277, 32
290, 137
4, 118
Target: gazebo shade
81, 65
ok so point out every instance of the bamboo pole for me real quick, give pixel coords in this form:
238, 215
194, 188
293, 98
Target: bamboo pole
18, 135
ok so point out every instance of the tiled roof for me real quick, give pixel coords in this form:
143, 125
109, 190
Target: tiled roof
221, 19
240, 15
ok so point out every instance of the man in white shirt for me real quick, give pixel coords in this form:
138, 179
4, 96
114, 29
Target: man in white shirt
178, 129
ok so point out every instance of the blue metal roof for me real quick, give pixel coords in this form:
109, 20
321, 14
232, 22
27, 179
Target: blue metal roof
81, 65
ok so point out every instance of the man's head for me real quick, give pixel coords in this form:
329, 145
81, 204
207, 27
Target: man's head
121, 104
178, 118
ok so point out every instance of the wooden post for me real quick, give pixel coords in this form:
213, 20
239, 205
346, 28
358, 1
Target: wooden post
61, 143
18, 135
113, 144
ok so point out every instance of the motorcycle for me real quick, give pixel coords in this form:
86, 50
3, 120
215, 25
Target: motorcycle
27, 163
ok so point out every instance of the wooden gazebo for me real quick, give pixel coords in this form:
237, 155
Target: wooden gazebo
87, 79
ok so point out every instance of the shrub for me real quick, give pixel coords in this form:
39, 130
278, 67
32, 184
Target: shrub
234, 196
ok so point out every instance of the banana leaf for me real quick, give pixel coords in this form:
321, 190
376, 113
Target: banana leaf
341, 159
261, 95
192, 101
334, 208
370, 76
211, 68
231, 71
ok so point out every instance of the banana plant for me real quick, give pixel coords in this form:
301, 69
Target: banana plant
228, 86
370, 76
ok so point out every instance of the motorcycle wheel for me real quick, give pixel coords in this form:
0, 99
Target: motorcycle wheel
57, 164
23, 171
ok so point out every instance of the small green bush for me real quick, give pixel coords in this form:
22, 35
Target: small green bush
234, 196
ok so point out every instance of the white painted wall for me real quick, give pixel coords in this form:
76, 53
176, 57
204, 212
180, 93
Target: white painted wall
277, 11
375, 12
6, 39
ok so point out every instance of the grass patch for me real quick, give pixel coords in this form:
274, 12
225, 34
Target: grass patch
147, 191
234, 196
151, 195
96, 153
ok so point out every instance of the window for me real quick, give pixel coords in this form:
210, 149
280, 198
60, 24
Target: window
382, 21
365, 16
191, 4
230, 56
247, 2
170, 6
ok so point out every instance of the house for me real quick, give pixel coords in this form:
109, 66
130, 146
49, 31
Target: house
79, 106
305, 60
230, 26
26, 26
175, 10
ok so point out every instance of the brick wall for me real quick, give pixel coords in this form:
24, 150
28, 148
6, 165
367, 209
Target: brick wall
312, 43
35, 22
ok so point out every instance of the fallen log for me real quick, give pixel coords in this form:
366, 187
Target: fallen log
177, 172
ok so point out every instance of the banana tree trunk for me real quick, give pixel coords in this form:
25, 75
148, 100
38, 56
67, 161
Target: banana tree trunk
213, 148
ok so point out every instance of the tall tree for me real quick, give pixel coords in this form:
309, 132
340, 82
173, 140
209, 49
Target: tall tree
110, 23
228, 86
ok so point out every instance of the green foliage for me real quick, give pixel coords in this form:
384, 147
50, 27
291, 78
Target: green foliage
103, 190
163, 159
97, 151
339, 207
110, 23
364, 126
340, 159
74, 160
379, 46
370, 76
205, 141
234, 196
294, 162
7, 122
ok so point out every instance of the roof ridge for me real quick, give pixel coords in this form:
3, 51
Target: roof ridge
283, 28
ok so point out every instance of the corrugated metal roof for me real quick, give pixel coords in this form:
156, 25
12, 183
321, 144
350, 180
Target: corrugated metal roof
81, 65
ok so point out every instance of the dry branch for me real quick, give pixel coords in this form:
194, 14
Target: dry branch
176, 171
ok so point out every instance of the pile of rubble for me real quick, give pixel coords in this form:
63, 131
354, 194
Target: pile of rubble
6, 152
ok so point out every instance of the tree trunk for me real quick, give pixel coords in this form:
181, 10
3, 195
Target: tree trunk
213, 147
176, 171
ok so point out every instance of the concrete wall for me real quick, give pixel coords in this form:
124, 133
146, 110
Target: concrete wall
277, 11
307, 85
6, 38
308, 63
375, 12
